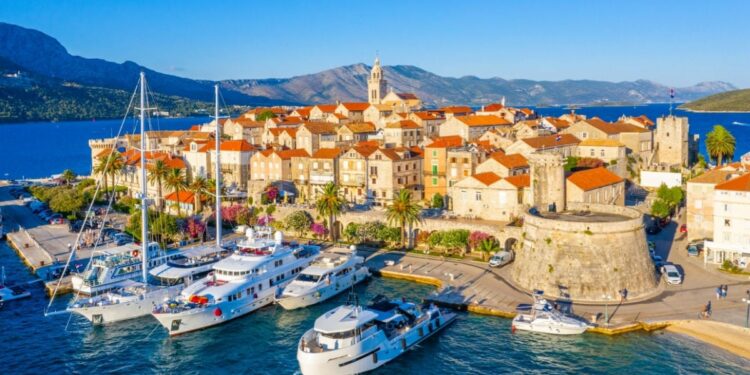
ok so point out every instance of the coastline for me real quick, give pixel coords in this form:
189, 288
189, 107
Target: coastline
707, 111
720, 335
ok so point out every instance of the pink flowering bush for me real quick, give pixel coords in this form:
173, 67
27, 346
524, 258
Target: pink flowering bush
476, 237
318, 229
194, 227
265, 220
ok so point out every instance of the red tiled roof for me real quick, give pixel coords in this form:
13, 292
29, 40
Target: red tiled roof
233, 145
182, 197
356, 106
320, 127
511, 161
456, 109
494, 107
446, 142
483, 120
326, 108
327, 153
741, 183
614, 128
365, 150
487, 178
403, 124
288, 154
371, 143
549, 141
361, 127
247, 123
423, 115
520, 181
594, 178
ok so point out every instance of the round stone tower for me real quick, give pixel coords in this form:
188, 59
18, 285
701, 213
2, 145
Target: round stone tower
589, 252
547, 182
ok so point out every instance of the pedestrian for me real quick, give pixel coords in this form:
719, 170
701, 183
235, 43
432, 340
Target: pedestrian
718, 292
708, 310
624, 294
724, 291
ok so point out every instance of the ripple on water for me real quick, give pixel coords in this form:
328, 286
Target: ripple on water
265, 343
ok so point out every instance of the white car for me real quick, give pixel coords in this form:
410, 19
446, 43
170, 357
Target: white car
671, 274
501, 258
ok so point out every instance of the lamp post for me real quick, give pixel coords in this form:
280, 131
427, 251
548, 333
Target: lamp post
747, 314
606, 309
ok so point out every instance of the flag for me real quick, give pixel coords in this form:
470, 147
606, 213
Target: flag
671, 93
558, 138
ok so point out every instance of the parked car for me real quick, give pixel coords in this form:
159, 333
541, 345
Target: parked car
683, 228
122, 239
671, 274
54, 216
57, 220
692, 250
501, 258
44, 215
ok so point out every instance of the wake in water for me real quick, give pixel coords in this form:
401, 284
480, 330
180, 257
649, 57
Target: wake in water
740, 123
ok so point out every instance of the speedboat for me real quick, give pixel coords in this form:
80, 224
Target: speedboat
116, 267
245, 281
11, 292
332, 273
351, 339
543, 317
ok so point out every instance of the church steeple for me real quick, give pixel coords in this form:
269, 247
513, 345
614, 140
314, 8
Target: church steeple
376, 83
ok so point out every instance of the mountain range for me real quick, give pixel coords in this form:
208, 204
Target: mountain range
46, 64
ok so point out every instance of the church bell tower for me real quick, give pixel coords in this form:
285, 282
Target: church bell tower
376, 83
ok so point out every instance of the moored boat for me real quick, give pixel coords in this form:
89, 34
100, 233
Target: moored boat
332, 273
542, 317
352, 339
11, 292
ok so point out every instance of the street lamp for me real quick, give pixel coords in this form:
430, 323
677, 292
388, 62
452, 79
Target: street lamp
606, 309
747, 314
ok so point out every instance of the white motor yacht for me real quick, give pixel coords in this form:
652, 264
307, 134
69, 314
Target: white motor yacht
189, 265
351, 339
239, 284
116, 267
543, 317
332, 273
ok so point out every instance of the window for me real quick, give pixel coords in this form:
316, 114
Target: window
434, 181
601, 153
592, 152
434, 153
478, 196
727, 222
315, 165
466, 172
300, 166
698, 203
434, 169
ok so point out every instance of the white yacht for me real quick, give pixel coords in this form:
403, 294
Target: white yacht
116, 267
332, 273
239, 284
351, 340
189, 265
543, 317
11, 292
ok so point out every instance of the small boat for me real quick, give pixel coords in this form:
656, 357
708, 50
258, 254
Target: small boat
11, 292
543, 317
351, 339
332, 273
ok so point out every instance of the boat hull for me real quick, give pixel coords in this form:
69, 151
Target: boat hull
555, 328
371, 353
6, 294
324, 293
126, 310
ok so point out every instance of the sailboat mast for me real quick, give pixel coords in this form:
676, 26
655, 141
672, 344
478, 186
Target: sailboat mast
217, 167
144, 187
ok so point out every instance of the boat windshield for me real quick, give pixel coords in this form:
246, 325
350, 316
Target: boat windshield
308, 278
339, 335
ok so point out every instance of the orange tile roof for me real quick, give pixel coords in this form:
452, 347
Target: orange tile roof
594, 178
643, 119
248, 123
601, 143
551, 141
327, 153
370, 143
361, 127
425, 115
294, 153
558, 122
233, 145
326, 108
614, 128
403, 124
527, 111
511, 161
390, 153
484, 145
407, 96
305, 111
483, 120
494, 107
195, 128
275, 131
356, 106
446, 142
487, 178
365, 150
456, 109
715, 176
417, 150
340, 116
741, 183
182, 197
320, 127
520, 181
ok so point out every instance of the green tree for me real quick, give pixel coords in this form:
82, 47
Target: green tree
101, 169
437, 201
198, 187
66, 201
488, 246
403, 212
299, 221
660, 209
671, 196
114, 167
163, 227
720, 144
68, 176
351, 232
265, 115
329, 205
157, 173
175, 181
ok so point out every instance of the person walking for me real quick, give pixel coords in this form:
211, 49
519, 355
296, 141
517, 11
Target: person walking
718, 292
724, 291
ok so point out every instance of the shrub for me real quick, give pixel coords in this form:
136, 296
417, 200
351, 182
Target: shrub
350, 232
476, 237
299, 221
437, 201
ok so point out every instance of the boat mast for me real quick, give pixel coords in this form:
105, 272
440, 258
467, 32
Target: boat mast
217, 167
144, 191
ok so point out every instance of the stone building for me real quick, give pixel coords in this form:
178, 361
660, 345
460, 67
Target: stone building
700, 198
504, 165
547, 182
353, 178
731, 222
562, 144
471, 128
435, 165
596, 185
488, 196
609, 151
404, 133
393, 169
376, 84
673, 145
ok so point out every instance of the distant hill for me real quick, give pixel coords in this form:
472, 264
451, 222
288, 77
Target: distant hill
349, 83
731, 101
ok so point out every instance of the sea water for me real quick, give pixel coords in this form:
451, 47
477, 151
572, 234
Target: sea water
265, 342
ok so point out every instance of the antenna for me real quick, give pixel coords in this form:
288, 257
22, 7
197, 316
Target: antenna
217, 164
671, 99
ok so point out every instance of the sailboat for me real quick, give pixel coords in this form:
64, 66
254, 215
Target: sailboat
133, 299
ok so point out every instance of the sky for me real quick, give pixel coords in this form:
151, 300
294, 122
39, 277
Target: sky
677, 43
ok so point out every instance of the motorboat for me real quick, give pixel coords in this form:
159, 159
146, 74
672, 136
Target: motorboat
189, 264
352, 339
332, 273
243, 282
11, 292
542, 317
115, 267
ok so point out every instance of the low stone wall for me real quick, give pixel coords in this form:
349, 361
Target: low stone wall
587, 259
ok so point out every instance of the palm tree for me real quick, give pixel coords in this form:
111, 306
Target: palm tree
114, 167
175, 181
329, 205
403, 211
720, 143
487, 246
68, 176
198, 187
101, 169
158, 173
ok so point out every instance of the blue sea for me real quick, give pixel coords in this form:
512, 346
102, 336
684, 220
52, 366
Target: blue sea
40, 149
265, 343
